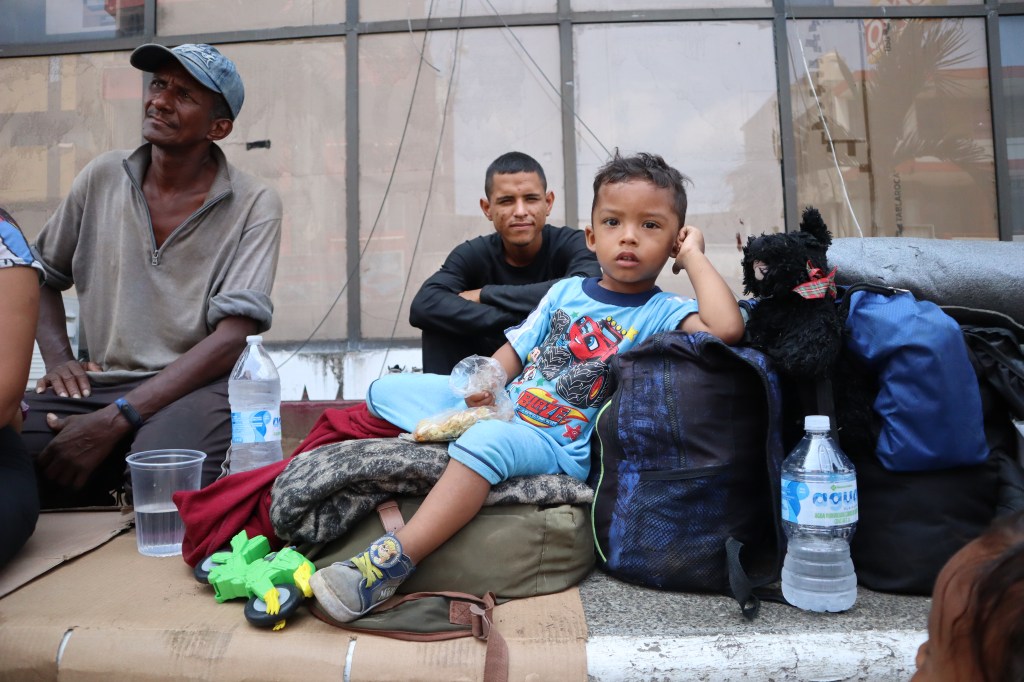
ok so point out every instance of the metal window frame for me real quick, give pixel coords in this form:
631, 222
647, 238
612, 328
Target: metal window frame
564, 19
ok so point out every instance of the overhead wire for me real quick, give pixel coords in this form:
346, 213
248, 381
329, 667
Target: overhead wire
383, 199
805, 103
437, 151
430, 183
554, 88
824, 121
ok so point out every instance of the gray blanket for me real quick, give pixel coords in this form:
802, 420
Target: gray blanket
323, 492
975, 274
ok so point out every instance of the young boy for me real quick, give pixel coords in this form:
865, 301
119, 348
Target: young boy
566, 344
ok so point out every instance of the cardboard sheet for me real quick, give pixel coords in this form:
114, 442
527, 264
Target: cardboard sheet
60, 536
115, 614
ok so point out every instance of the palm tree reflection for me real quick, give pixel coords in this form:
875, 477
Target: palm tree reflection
911, 132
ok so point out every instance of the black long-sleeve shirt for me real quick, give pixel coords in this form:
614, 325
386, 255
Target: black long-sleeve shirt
454, 327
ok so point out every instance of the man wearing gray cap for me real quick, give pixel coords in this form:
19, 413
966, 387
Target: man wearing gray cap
173, 253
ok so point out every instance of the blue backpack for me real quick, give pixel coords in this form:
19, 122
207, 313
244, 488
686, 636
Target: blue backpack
686, 469
925, 517
928, 402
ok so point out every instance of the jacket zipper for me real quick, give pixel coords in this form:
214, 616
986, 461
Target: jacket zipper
154, 258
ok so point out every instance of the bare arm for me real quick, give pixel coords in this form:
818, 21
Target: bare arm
85, 441
717, 310
508, 358
21, 306
210, 359
447, 304
64, 373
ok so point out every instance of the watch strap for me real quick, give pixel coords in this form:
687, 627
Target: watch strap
129, 412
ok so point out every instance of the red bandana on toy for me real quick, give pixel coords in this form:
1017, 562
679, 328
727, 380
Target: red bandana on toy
820, 284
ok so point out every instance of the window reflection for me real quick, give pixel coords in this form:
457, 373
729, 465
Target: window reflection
906, 111
498, 102
701, 94
56, 115
50, 21
375, 10
610, 5
876, 3
177, 17
291, 133
1012, 40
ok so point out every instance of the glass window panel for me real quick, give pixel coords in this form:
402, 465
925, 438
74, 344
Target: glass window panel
180, 17
375, 10
875, 3
295, 103
701, 94
611, 5
53, 21
56, 115
1011, 32
66, 110
907, 108
499, 102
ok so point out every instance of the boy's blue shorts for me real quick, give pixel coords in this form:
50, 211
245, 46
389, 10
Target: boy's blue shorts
496, 450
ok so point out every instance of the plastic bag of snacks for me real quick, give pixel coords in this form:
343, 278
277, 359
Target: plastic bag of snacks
472, 375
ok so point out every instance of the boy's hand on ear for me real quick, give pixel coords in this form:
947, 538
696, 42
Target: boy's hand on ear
690, 240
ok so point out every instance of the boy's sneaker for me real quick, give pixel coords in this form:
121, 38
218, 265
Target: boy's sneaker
349, 589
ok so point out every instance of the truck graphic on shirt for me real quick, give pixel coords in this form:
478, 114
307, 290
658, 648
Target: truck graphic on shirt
575, 356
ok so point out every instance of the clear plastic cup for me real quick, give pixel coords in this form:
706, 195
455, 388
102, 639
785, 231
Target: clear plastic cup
156, 474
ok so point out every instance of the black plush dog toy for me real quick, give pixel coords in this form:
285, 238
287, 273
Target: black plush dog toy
794, 319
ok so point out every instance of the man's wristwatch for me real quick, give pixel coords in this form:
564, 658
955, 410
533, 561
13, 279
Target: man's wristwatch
129, 412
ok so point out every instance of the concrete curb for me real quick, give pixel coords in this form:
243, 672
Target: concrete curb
821, 657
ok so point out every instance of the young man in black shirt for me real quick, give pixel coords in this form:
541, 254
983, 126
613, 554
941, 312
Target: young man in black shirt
490, 283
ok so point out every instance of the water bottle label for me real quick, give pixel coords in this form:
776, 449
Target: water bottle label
824, 503
259, 426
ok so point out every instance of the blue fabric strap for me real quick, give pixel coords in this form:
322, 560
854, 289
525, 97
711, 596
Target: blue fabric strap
129, 412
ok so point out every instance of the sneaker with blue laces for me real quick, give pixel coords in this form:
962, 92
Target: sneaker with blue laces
349, 589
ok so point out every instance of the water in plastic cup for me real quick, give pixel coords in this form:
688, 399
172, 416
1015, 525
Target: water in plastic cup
156, 474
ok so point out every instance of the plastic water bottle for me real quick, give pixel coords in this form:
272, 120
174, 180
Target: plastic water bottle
254, 393
819, 515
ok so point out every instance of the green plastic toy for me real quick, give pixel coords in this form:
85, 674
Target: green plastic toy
275, 583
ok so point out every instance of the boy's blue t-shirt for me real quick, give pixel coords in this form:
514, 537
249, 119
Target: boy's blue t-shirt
566, 345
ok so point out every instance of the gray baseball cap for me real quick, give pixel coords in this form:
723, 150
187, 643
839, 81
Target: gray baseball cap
206, 64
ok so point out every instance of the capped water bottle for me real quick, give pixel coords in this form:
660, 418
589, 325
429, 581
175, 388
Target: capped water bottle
254, 393
819, 515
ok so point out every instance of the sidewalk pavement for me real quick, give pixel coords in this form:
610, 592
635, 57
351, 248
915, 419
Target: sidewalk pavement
637, 634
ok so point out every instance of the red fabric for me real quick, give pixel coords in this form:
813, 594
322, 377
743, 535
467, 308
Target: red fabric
820, 285
334, 426
240, 501
216, 513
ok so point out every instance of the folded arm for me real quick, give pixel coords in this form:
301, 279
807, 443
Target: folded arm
570, 258
439, 307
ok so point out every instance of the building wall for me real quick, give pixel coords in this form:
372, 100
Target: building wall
376, 120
